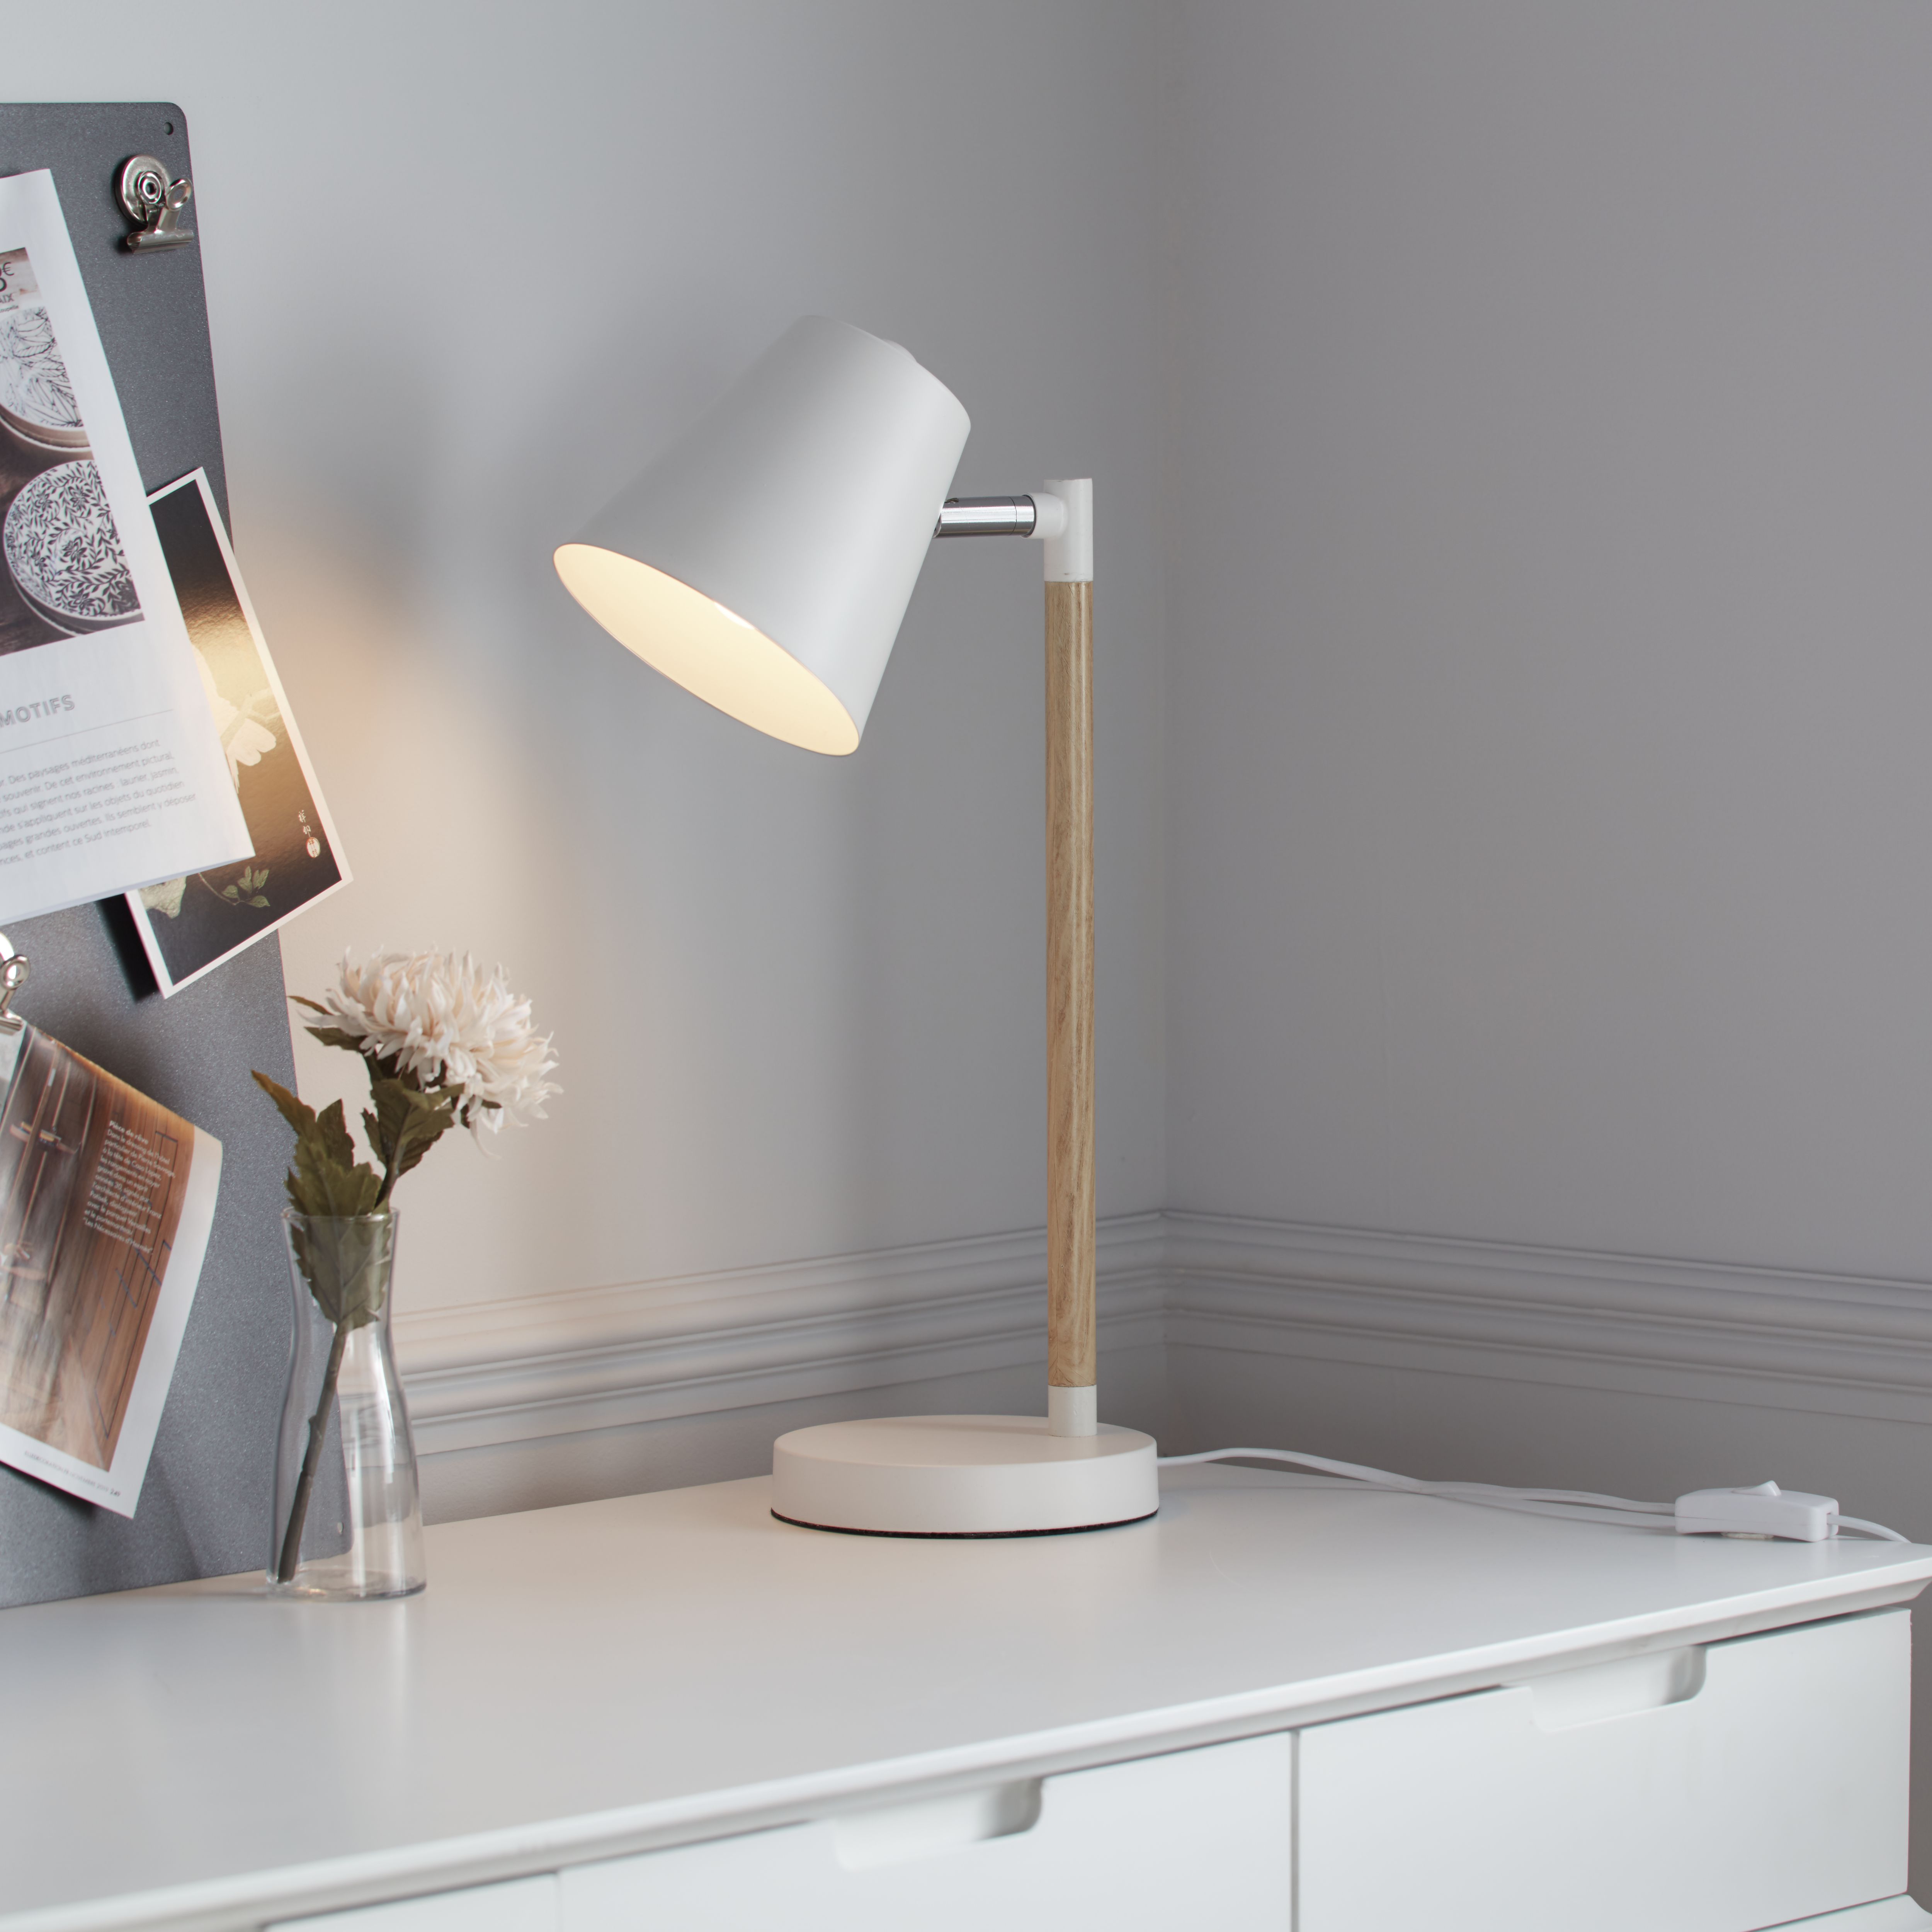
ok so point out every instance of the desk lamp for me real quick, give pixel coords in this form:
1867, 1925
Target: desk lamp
764, 562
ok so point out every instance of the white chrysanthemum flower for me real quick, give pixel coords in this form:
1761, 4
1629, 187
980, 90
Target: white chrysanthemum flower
447, 1022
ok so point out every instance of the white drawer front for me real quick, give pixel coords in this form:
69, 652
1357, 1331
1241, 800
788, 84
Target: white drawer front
1198, 1837
1772, 1788
519, 1905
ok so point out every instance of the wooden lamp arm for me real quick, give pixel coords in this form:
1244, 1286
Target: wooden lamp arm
1062, 517
1073, 1363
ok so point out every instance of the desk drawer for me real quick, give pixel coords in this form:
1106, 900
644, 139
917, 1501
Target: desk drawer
1721, 1789
1198, 1837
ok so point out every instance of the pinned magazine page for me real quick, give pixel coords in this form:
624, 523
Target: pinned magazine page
189, 926
106, 1201
111, 773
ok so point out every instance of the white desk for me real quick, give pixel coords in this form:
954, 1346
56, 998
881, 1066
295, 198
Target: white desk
580, 1685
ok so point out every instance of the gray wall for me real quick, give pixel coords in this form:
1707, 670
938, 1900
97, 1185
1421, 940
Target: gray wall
1548, 685
1550, 397
467, 266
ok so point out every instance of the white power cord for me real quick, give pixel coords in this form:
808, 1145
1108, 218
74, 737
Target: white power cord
1765, 1511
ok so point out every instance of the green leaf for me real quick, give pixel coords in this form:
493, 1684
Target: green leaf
407, 1122
335, 1037
332, 1135
324, 1179
230, 892
317, 1185
297, 1113
258, 900
303, 999
344, 1260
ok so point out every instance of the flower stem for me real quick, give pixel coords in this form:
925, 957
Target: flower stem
318, 1428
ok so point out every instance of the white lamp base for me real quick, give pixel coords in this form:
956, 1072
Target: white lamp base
961, 1475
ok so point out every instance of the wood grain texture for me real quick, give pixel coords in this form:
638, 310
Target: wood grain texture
1071, 1354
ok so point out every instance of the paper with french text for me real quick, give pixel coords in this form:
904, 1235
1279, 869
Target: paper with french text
112, 773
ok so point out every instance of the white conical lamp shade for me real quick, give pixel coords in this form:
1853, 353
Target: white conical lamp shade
765, 560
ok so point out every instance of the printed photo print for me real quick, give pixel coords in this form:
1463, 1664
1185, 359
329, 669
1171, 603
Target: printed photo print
66, 573
189, 926
92, 1178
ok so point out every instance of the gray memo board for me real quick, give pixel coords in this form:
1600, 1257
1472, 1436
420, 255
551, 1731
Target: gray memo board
204, 1508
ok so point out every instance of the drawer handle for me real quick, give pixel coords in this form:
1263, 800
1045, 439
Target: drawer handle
1596, 1692
895, 1833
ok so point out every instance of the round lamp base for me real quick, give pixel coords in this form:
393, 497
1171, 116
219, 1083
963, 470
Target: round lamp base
961, 1475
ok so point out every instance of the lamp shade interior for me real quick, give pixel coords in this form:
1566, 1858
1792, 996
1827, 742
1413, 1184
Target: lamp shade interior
764, 561
714, 654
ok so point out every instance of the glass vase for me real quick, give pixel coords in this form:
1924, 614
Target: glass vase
348, 1514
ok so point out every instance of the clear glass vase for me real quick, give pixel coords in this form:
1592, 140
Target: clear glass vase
348, 1518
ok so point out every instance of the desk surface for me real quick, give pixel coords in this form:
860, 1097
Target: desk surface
584, 1682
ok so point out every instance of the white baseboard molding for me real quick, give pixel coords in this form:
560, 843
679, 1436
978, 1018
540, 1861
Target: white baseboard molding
613, 1358
617, 1357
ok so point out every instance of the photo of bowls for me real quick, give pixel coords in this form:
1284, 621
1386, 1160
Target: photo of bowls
64, 554
36, 404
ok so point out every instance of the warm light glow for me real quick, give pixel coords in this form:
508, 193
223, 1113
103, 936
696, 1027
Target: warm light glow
701, 645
